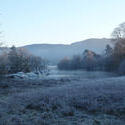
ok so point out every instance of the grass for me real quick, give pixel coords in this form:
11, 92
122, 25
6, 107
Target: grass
98, 102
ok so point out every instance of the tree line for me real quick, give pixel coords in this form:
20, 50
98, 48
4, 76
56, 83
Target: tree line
113, 59
14, 60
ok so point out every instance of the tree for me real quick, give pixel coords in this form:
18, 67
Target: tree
4, 67
37, 64
19, 60
119, 32
90, 60
108, 50
118, 36
121, 69
64, 64
76, 62
1, 43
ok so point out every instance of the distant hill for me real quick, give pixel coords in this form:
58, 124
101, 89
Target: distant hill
55, 52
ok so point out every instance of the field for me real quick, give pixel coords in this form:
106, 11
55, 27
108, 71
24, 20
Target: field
63, 101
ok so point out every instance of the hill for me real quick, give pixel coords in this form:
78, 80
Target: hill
55, 52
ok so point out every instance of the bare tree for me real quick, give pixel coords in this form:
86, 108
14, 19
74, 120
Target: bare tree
108, 50
37, 64
118, 36
119, 32
21, 61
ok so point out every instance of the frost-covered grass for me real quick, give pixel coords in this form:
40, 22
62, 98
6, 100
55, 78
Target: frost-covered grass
83, 102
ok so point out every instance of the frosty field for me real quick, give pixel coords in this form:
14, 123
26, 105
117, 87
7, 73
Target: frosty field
96, 98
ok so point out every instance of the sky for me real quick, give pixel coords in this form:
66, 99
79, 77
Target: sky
58, 21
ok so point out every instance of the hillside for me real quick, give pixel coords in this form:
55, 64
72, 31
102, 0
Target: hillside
55, 52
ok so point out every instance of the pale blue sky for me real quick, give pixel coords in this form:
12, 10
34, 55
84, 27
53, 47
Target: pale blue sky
58, 21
